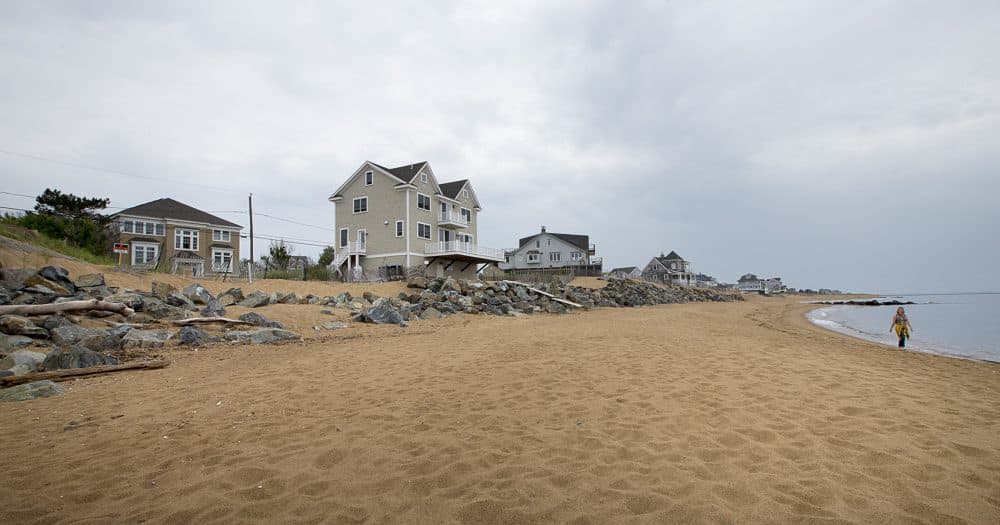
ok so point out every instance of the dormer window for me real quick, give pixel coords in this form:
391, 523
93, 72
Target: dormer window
369, 178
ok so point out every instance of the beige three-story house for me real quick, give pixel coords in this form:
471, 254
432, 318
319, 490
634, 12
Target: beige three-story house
171, 235
390, 220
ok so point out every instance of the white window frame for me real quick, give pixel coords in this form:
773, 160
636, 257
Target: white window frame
576, 256
423, 178
429, 203
183, 233
555, 256
400, 228
344, 237
429, 231
144, 245
465, 194
534, 258
355, 207
466, 214
218, 268
369, 178
137, 227
221, 235
464, 237
361, 237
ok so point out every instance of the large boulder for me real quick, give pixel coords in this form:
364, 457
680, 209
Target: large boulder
13, 278
197, 293
55, 321
162, 290
17, 325
193, 336
417, 282
89, 280
70, 334
213, 309
180, 301
22, 357
261, 336
158, 309
383, 313
39, 284
31, 391
430, 313
291, 298
256, 319
450, 285
145, 338
75, 357
230, 297
57, 274
13, 342
256, 300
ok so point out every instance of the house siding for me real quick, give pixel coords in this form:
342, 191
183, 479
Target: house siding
546, 245
386, 205
166, 243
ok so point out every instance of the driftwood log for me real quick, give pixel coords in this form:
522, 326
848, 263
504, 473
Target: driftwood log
192, 320
71, 373
68, 306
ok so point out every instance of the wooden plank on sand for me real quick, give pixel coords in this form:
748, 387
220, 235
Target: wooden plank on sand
70, 373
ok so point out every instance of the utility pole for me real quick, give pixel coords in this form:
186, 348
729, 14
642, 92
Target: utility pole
250, 267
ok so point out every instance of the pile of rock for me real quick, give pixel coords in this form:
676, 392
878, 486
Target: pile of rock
32, 343
445, 296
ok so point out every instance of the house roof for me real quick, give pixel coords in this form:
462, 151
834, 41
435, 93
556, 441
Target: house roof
167, 208
405, 173
672, 256
626, 269
451, 189
580, 241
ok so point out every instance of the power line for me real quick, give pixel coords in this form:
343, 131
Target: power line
296, 222
18, 194
123, 173
103, 170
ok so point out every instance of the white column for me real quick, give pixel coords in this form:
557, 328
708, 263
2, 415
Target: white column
406, 229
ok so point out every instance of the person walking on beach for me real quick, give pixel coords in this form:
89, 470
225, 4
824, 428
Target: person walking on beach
901, 325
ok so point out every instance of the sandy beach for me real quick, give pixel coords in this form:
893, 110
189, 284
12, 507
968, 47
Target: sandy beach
716, 412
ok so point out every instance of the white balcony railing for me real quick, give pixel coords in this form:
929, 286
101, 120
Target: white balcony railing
357, 247
452, 218
462, 248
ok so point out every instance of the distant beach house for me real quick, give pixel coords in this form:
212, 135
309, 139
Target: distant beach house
627, 272
670, 269
750, 283
705, 281
391, 220
546, 250
169, 234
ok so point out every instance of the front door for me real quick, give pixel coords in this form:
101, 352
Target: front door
444, 211
362, 239
445, 235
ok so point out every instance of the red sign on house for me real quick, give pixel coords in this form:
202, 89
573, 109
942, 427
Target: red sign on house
121, 248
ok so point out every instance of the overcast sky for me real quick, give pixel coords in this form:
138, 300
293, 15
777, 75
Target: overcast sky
852, 146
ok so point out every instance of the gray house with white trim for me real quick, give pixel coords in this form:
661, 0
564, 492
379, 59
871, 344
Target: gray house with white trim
545, 250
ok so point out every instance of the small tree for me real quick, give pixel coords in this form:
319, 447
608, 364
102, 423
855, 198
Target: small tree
70, 218
55, 202
326, 257
279, 255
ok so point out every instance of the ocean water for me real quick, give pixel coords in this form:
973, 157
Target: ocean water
960, 325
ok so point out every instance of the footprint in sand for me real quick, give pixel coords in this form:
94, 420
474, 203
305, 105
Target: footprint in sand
329, 458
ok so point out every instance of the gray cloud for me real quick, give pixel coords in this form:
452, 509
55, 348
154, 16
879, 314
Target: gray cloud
852, 148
